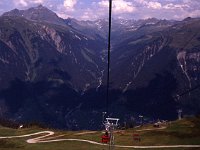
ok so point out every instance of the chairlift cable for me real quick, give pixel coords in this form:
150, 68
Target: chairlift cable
189, 41
188, 91
109, 49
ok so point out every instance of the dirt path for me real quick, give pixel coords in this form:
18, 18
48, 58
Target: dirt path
161, 128
46, 139
88, 132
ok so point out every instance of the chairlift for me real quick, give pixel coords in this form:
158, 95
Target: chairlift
110, 123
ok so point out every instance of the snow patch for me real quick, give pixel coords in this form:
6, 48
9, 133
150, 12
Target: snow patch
4, 61
77, 37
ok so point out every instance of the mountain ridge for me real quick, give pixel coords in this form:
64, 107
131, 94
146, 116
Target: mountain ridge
60, 68
39, 13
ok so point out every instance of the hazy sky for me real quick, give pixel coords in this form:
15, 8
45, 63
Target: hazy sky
93, 9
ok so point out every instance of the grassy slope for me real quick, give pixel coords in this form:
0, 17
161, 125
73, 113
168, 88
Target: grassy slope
186, 131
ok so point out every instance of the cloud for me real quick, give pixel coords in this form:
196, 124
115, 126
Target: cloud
69, 4
103, 3
88, 15
195, 13
127, 9
66, 9
119, 6
175, 6
37, 1
63, 15
143, 2
139, 9
26, 3
154, 5
149, 4
23, 3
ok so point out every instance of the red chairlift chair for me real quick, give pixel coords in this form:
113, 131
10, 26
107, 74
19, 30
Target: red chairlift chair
105, 138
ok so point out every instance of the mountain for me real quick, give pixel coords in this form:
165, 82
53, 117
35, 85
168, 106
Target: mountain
39, 13
53, 70
161, 62
172, 38
38, 57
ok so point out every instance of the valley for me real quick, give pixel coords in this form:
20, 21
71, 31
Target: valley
53, 70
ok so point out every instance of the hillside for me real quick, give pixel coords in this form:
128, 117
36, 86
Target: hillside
184, 132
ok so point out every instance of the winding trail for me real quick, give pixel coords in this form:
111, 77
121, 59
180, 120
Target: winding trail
47, 139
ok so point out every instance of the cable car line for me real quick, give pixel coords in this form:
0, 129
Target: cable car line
187, 91
109, 49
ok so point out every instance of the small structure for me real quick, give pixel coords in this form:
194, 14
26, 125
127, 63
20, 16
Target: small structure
179, 114
156, 125
141, 120
136, 137
110, 125
21, 126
